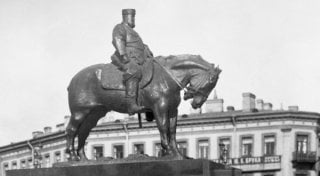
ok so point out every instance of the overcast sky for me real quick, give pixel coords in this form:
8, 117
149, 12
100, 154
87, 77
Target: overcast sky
270, 48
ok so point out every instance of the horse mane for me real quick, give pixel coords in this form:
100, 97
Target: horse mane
185, 60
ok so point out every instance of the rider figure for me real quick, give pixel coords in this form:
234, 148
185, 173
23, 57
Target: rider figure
130, 55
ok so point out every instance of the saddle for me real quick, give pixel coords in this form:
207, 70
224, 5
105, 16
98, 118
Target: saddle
111, 77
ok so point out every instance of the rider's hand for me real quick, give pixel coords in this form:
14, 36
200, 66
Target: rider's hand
124, 59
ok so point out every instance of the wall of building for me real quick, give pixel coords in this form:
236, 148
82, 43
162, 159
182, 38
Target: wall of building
285, 130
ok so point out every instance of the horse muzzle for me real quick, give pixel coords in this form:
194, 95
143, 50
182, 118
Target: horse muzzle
196, 105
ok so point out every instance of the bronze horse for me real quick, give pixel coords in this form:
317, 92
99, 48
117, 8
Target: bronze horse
89, 101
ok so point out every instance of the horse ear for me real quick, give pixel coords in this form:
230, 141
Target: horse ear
218, 69
189, 64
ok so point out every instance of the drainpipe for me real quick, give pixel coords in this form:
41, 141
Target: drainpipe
125, 128
32, 152
234, 123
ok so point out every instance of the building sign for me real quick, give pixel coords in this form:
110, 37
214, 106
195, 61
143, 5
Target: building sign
252, 160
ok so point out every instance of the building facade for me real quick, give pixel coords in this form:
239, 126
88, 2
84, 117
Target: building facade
256, 139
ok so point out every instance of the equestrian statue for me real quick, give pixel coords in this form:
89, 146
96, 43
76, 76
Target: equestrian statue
136, 82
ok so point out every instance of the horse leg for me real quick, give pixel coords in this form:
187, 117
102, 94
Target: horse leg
161, 114
84, 130
71, 132
173, 116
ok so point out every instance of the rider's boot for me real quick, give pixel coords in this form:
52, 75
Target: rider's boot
131, 96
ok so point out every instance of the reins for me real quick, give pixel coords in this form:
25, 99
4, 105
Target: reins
170, 74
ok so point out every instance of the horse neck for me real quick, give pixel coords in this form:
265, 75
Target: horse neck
183, 68
183, 76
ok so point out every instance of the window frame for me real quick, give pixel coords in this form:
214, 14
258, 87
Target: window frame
252, 148
187, 145
197, 146
275, 143
7, 164
55, 156
25, 163
14, 162
154, 147
138, 143
308, 143
28, 163
117, 144
92, 150
44, 160
218, 147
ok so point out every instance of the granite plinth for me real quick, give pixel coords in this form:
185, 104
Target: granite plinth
196, 167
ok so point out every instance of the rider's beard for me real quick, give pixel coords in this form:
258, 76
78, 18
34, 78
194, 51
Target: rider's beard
130, 20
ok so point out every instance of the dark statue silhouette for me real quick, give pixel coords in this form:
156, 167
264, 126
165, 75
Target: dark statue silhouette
89, 100
136, 82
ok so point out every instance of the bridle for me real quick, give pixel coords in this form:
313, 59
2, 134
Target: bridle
189, 89
194, 91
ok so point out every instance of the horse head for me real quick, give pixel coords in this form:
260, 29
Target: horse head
201, 84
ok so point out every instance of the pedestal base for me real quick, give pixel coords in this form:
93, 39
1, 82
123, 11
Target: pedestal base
196, 167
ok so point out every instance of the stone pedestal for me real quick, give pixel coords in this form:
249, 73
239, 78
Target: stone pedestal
196, 167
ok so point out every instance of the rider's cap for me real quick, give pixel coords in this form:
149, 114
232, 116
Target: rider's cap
128, 11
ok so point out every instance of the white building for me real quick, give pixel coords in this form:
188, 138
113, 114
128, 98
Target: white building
257, 139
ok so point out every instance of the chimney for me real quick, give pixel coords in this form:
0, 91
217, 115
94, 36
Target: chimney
36, 134
293, 108
267, 106
66, 120
60, 126
47, 130
260, 104
230, 108
215, 104
248, 102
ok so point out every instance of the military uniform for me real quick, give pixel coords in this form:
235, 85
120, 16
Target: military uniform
130, 54
128, 42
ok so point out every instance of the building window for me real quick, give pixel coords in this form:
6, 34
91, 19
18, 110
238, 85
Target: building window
203, 149
157, 149
246, 146
14, 165
118, 151
97, 152
23, 164
138, 148
66, 155
182, 147
46, 161
226, 141
5, 166
302, 143
269, 144
57, 157
29, 163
